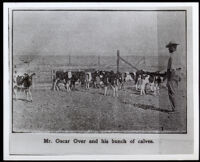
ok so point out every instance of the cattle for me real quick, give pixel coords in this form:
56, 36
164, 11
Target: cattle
111, 79
94, 75
123, 78
154, 81
137, 74
69, 79
97, 77
61, 77
114, 82
128, 76
120, 79
157, 85
77, 76
106, 79
88, 79
23, 84
132, 74
98, 81
144, 82
138, 83
159, 82
163, 78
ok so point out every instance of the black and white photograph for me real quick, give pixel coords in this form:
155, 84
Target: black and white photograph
93, 70
99, 71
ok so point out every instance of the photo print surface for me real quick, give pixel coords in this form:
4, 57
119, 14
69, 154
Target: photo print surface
99, 71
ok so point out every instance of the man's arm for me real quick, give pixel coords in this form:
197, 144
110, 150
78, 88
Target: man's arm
169, 66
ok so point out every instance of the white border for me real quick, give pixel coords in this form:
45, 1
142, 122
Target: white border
196, 78
104, 6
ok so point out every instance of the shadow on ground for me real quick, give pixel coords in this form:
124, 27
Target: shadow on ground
146, 107
22, 99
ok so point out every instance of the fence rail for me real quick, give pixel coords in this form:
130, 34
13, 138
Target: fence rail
42, 79
45, 71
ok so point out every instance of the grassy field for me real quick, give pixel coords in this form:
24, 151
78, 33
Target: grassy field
89, 110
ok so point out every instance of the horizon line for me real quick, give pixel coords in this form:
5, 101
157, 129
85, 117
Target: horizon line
93, 55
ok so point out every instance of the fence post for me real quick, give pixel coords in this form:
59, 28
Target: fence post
144, 61
98, 60
52, 79
69, 59
52, 75
117, 60
33, 83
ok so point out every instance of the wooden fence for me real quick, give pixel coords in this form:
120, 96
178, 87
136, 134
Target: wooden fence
43, 79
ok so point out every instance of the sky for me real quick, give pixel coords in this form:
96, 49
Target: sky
97, 33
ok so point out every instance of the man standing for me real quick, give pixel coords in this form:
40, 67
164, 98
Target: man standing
172, 76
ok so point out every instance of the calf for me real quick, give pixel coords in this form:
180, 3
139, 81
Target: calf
62, 78
94, 78
23, 83
137, 74
144, 82
120, 80
151, 82
78, 77
114, 81
111, 79
88, 79
138, 83
129, 76
157, 85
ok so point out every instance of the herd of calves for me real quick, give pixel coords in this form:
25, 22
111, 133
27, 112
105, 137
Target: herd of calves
105, 79
96, 79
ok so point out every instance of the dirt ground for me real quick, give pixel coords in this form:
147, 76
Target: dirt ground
91, 111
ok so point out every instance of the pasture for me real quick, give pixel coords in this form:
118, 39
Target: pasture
84, 110
90, 110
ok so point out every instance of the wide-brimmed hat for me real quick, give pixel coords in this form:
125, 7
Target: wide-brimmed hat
171, 43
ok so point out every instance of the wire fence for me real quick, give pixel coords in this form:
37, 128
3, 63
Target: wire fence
46, 66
